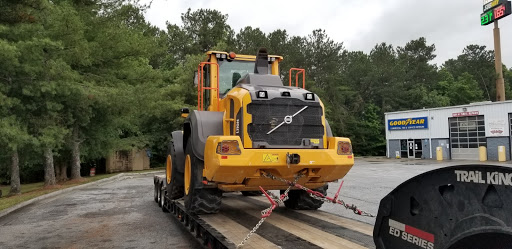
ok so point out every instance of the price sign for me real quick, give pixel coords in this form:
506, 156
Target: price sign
497, 12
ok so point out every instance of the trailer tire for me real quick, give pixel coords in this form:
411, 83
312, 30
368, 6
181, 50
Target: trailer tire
163, 202
251, 193
198, 200
301, 200
155, 194
175, 185
159, 186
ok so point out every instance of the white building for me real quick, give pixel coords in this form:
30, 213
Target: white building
459, 130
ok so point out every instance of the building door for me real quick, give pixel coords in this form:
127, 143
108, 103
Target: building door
466, 135
410, 146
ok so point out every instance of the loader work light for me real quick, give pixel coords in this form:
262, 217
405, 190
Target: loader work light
262, 94
344, 148
228, 147
310, 96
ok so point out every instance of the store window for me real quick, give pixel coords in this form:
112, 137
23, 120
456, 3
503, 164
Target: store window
467, 132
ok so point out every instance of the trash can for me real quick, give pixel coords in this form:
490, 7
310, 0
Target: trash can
482, 150
439, 153
502, 157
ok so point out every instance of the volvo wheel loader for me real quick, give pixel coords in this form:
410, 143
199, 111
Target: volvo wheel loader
249, 125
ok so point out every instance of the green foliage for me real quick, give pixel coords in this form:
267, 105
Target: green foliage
461, 91
99, 68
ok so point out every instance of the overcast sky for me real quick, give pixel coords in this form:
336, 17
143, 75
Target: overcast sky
450, 25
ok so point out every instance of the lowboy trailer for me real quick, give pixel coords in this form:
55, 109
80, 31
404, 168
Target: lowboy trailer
459, 207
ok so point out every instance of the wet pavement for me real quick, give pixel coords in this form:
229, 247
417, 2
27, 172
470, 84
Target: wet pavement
115, 214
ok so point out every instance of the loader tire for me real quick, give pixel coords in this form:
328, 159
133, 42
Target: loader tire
301, 200
198, 200
175, 187
251, 193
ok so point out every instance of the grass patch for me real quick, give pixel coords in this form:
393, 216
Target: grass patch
33, 190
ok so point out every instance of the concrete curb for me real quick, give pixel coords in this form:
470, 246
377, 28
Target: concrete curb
66, 190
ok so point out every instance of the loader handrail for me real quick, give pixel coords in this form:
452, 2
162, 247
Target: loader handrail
299, 71
201, 87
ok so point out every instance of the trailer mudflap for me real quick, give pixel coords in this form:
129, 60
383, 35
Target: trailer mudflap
466, 206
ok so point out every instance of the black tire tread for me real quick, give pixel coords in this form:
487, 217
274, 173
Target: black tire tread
175, 191
201, 200
301, 200
205, 201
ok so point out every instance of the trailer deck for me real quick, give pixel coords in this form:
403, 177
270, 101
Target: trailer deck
285, 228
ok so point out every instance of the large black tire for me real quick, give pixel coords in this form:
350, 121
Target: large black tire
301, 200
199, 200
251, 193
175, 189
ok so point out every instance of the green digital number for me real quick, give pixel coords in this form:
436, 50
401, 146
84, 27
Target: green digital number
486, 18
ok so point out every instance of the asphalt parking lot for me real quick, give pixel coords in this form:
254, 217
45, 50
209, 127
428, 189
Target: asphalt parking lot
372, 178
114, 214
122, 214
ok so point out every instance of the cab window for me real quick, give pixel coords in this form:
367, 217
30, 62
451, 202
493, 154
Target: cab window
231, 71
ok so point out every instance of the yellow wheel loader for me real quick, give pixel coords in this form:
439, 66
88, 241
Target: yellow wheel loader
249, 125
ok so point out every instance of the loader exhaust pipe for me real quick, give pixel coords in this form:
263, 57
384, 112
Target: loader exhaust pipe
261, 65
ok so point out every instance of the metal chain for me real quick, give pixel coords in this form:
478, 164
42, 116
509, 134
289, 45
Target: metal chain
265, 211
321, 198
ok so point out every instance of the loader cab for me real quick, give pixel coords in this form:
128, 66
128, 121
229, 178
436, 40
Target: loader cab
221, 71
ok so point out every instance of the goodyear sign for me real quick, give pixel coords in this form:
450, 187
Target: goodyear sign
408, 123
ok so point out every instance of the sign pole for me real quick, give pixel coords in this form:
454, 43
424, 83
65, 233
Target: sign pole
500, 83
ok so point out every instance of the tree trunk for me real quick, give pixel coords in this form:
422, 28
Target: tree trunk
49, 170
62, 169
57, 171
15, 173
75, 155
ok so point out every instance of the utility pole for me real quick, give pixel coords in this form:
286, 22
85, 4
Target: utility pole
493, 11
500, 82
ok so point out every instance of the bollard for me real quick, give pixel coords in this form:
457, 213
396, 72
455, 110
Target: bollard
482, 150
397, 154
502, 157
92, 172
439, 153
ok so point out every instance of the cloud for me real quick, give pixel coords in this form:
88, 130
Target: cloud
450, 25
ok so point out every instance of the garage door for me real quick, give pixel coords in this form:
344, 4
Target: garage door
466, 135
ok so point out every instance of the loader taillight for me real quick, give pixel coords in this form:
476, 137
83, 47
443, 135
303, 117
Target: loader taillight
344, 148
229, 147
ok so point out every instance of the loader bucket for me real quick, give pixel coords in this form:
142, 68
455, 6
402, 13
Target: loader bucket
459, 207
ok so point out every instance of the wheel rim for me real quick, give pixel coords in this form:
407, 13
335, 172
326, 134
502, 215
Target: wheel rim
187, 174
162, 199
169, 169
158, 193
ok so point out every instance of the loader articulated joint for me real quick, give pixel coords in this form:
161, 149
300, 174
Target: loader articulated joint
292, 158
